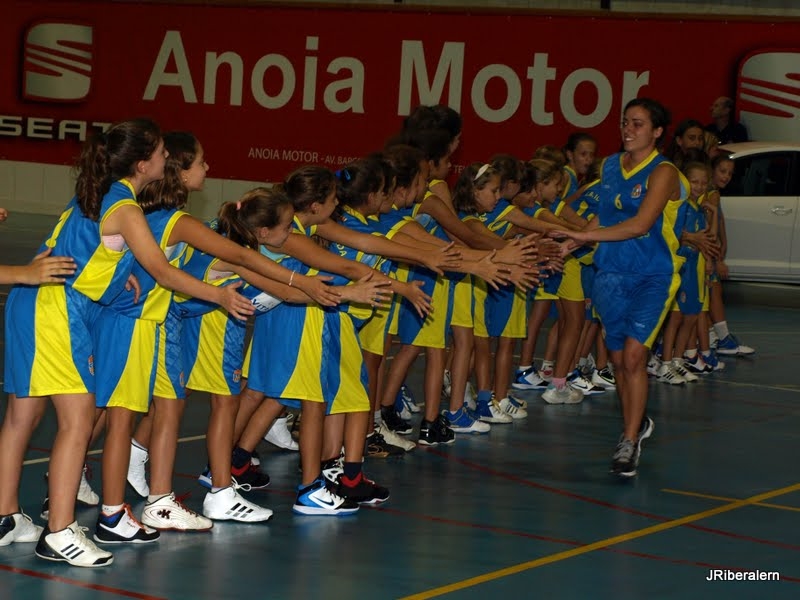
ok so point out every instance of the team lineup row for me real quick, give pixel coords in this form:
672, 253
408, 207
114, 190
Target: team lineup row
152, 301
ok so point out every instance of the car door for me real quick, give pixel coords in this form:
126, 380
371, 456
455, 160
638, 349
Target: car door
760, 205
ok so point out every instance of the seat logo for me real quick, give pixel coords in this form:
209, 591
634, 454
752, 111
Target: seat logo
57, 62
768, 94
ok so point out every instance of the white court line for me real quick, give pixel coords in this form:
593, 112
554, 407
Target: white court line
38, 461
792, 388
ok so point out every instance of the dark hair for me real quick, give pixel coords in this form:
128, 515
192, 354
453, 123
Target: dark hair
541, 170
171, 192
468, 183
260, 207
110, 156
576, 138
690, 165
307, 185
659, 115
508, 167
434, 117
551, 153
719, 159
434, 143
674, 152
405, 163
358, 180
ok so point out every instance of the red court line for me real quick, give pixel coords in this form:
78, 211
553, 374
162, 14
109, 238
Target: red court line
603, 503
82, 584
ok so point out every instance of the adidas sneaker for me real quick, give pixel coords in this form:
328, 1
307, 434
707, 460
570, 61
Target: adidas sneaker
228, 505
72, 546
18, 528
136, 474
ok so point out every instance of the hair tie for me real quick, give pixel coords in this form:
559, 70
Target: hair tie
239, 205
481, 171
343, 174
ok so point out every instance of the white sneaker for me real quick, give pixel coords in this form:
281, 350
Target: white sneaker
546, 372
565, 395
280, 435
72, 546
228, 505
168, 513
490, 412
446, 385
653, 365
528, 379
123, 528
680, 369
584, 386
667, 374
408, 408
390, 437
136, 475
604, 378
512, 408
86, 494
18, 528
317, 499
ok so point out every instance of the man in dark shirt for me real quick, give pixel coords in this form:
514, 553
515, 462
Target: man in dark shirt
724, 127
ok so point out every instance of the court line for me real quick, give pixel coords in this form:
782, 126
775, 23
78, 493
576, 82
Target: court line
726, 499
600, 544
81, 584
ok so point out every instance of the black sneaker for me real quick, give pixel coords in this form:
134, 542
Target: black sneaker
331, 470
436, 432
645, 431
393, 421
361, 490
625, 459
123, 528
378, 447
252, 478
45, 513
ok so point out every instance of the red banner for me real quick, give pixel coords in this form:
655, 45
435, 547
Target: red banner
266, 89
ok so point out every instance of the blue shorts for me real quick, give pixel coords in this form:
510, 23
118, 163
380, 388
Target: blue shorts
588, 273
506, 314
693, 291
213, 352
632, 306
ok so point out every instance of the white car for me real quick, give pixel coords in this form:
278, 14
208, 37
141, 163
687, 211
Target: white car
760, 205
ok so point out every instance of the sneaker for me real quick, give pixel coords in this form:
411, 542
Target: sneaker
583, 385
252, 478
378, 447
168, 513
332, 469
680, 369
361, 490
86, 495
18, 528
204, 478
512, 408
136, 475
713, 361
589, 366
44, 514
317, 499
391, 438
462, 422
645, 431
625, 459
565, 395
668, 374
255, 458
436, 432
404, 403
697, 365
280, 435
489, 411
447, 385
604, 378
228, 505
713, 338
528, 379
470, 396
546, 372
653, 365
123, 528
72, 546
730, 346
393, 421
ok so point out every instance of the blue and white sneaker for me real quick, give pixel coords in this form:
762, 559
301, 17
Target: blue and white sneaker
529, 379
204, 478
730, 346
404, 403
462, 422
697, 365
713, 361
317, 499
583, 385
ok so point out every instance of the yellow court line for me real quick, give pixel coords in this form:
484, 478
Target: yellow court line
726, 499
599, 545
38, 461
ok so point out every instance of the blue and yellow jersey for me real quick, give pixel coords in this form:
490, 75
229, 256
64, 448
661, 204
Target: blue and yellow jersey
691, 218
354, 220
572, 182
622, 193
154, 300
586, 205
495, 220
101, 272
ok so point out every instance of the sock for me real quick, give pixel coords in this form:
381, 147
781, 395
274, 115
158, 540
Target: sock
376, 417
214, 490
240, 459
351, 470
153, 497
690, 354
138, 445
559, 382
706, 353
722, 329
524, 367
352, 481
111, 509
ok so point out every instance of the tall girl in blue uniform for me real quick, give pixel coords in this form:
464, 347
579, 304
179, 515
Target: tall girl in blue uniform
50, 326
637, 263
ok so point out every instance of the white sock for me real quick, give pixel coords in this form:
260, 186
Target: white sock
523, 367
138, 445
722, 329
690, 353
706, 353
112, 509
